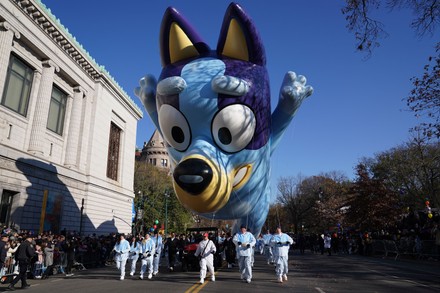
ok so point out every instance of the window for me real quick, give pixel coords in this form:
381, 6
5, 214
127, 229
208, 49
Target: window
164, 162
5, 206
113, 152
57, 111
17, 86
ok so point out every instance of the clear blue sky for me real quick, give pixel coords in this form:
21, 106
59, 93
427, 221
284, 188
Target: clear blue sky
357, 108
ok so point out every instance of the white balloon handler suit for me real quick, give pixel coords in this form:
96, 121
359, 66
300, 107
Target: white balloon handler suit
157, 239
244, 243
205, 252
280, 244
135, 250
147, 254
267, 249
121, 248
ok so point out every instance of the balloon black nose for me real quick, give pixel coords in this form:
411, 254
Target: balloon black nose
193, 175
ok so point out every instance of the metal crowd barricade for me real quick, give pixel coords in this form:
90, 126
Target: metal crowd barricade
429, 250
8, 271
59, 262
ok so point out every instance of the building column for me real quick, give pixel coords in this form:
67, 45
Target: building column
74, 128
39, 123
7, 34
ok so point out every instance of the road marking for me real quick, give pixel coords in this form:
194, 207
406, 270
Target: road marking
197, 287
319, 290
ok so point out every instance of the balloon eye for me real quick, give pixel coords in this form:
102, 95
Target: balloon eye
174, 127
178, 134
233, 127
224, 135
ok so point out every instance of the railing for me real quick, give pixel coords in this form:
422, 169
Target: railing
8, 271
420, 249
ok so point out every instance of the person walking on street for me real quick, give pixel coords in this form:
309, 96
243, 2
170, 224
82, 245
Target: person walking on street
244, 241
122, 247
267, 249
157, 239
328, 244
230, 251
205, 252
23, 255
280, 244
135, 250
147, 252
171, 245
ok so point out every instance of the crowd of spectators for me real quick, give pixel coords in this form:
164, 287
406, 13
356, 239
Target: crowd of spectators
62, 253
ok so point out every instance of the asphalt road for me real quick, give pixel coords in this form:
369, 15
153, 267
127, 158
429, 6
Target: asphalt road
308, 273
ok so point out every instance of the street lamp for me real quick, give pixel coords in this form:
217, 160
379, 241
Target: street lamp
140, 214
167, 195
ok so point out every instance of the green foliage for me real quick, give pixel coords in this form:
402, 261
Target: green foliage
151, 185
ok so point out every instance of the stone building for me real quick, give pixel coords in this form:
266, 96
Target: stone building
154, 152
67, 130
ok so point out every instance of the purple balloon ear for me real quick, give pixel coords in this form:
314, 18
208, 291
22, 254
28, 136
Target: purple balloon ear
238, 28
173, 24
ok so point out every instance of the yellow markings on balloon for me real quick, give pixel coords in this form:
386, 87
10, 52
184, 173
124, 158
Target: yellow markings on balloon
214, 197
181, 46
248, 170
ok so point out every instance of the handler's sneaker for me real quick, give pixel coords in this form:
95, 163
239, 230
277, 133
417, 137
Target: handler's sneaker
213, 278
280, 279
285, 277
121, 278
155, 273
201, 281
132, 274
150, 276
141, 277
248, 281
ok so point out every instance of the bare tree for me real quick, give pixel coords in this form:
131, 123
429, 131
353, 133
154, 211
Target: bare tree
368, 30
424, 99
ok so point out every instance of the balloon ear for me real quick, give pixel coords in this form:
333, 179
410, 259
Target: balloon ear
178, 40
239, 38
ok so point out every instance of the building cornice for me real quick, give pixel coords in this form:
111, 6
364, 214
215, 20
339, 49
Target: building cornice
48, 23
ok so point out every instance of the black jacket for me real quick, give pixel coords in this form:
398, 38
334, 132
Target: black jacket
25, 252
3, 251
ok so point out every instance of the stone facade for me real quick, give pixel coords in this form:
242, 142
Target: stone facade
154, 152
60, 179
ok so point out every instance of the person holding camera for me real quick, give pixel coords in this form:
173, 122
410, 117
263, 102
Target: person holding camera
205, 253
244, 241
69, 247
280, 244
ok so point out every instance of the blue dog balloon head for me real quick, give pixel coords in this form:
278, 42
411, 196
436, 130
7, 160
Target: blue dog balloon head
212, 107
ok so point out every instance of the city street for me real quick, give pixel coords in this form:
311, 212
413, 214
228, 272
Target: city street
308, 273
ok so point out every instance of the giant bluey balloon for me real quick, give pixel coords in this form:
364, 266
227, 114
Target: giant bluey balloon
212, 107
